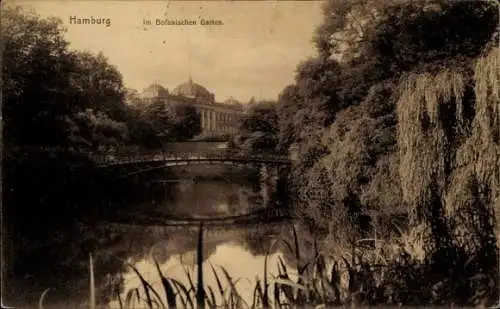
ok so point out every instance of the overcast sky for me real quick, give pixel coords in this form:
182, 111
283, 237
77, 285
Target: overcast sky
254, 53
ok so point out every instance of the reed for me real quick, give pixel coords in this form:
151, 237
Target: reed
168, 288
42, 298
200, 292
380, 276
149, 291
92, 303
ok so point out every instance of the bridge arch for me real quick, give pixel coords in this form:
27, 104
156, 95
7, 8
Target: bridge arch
184, 158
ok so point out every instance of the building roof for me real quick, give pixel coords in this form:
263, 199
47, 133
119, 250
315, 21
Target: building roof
155, 90
191, 89
232, 101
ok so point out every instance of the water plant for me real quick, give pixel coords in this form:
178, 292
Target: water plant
387, 275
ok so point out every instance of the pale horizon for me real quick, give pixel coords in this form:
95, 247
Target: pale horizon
254, 54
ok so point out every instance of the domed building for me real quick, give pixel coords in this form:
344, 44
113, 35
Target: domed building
195, 91
232, 101
155, 91
216, 118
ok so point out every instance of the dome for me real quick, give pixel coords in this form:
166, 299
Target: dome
192, 90
232, 101
155, 90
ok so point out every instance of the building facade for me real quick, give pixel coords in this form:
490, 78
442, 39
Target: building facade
216, 118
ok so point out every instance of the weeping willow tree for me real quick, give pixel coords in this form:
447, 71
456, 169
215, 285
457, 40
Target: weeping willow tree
449, 144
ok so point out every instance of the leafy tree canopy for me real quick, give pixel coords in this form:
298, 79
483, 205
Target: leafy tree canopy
47, 87
259, 127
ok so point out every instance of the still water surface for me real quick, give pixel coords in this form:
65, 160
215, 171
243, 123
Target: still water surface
243, 266
240, 250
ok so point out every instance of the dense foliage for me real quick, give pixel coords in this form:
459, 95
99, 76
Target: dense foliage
57, 104
258, 129
152, 125
398, 115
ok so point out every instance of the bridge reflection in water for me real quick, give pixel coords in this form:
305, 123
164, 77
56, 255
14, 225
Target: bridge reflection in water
261, 216
210, 229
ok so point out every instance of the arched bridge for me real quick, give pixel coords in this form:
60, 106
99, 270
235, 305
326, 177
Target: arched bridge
265, 215
172, 158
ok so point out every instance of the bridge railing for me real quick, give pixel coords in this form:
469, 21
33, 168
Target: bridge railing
166, 155
130, 155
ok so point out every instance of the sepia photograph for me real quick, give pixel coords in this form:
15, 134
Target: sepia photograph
250, 154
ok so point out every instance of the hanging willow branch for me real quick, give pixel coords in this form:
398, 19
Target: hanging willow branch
468, 190
423, 143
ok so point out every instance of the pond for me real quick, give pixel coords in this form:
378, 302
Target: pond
121, 237
238, 250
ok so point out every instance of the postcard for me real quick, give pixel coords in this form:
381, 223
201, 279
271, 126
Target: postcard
250, 154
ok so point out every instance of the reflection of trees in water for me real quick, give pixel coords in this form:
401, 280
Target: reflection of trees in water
61, 262
181, 241
54, 249
65, 261
212, 190
305, 241
212, 198
260, 239
162, 243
